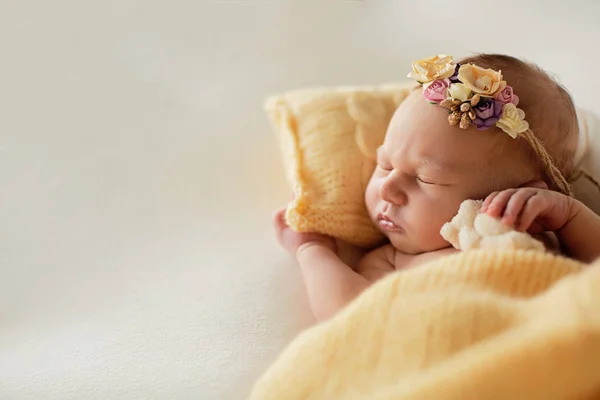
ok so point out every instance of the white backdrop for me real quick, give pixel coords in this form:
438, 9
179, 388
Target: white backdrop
138, 172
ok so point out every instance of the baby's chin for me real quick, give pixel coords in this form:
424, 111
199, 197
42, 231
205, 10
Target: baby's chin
406, 248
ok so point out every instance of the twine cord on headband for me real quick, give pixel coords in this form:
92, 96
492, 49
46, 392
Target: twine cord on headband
554, 174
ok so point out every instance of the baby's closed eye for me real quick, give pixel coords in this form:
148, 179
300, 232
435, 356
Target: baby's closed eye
433, 181
426, 181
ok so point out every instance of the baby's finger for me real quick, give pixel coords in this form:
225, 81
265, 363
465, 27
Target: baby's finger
515, 206
279, 216
279, 222
487, 201
498, 204
532, 209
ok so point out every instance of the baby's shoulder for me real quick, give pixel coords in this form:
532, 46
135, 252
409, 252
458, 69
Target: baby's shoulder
386, 259
405, 261
377, 263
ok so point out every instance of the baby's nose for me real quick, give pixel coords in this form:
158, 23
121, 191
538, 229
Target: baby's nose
391, 191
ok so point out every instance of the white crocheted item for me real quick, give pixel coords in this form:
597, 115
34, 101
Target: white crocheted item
470, 229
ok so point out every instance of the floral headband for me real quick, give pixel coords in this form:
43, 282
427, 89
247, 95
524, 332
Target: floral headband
480, 97
473, 95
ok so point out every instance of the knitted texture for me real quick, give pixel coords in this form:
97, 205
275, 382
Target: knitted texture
477, 325
329, 139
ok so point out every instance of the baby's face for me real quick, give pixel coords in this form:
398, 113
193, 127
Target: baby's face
426, 168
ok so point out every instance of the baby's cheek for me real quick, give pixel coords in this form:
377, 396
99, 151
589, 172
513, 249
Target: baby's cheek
437, 214
371, 197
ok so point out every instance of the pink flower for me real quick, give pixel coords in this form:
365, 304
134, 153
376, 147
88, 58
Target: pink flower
507, 96
436, 91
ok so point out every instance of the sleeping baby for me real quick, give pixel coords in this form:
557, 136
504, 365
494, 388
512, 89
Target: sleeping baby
488, 127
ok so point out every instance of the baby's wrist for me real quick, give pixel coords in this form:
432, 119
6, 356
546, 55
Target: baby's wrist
575, 211
318, 245
575, 208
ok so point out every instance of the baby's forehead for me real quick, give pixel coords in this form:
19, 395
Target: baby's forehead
423, 157
421, 131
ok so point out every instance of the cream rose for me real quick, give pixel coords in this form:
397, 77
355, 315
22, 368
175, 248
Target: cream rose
486, 82
458, 91
430, 69
512, 120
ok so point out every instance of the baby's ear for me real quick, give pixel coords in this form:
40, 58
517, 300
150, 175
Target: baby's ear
536, 184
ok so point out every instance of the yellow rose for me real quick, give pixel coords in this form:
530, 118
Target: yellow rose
430, 69
512, 120
459, 91
486, 82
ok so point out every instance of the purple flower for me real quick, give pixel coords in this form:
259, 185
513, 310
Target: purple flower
487, 113
454, 77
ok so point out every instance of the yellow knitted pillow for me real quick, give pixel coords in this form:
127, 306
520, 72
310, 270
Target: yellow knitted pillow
329, 139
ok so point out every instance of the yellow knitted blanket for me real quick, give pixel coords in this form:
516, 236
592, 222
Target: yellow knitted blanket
477, 325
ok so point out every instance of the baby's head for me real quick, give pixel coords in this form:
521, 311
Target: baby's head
427, 167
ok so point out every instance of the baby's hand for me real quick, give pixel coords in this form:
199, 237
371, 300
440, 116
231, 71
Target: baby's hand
292, 240
529, 209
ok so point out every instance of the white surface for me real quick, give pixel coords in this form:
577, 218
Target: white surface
138, 173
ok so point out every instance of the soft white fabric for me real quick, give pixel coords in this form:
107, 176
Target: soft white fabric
587, 158
583, 140
139, 172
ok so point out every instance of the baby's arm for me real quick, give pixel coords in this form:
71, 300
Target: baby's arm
581, 234
538, 210
331, 284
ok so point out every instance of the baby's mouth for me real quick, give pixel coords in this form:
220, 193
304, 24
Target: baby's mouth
386, 224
